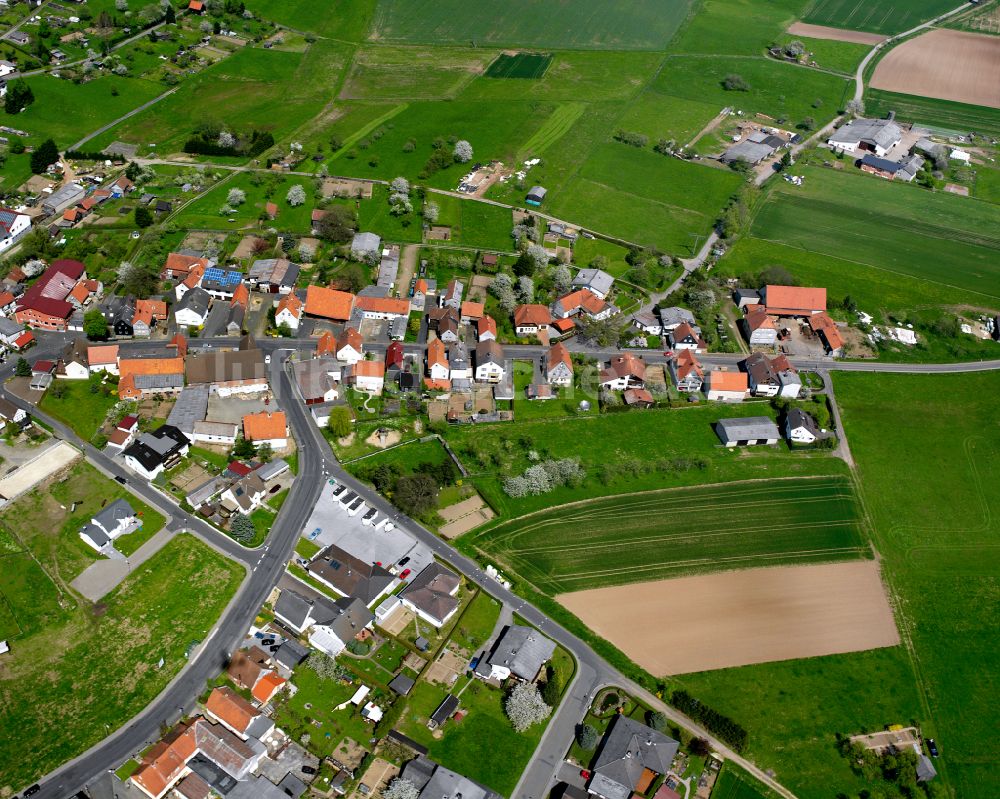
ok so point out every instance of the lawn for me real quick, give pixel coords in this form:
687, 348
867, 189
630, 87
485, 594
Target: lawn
942, 115
645, 197
734, 783
949, 240
241, 93
566, 404
42, 522
621, 453
59, 677
476, 625
880, 16
475, 224
587, 24
680, 531
80, 408
66, 112
483, 746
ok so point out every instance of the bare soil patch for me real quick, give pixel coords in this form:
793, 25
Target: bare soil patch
946, 64
727, 619
386, 439
834, 34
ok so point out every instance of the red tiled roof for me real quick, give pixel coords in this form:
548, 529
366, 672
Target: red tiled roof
24, 339
436, 353
559, 354
388, 305
486, 324
6, 299
394, 354
106, 354
473, 310
326, 344
727, 381
368, 369
531, 315
151, 366
266, 687
687, 363
231, 709
329, 303
290, 303
563, 325
350, 338
182, 264
241, 296
794, 299
164, 763
637, 395
194, 276
420, 287
157, 309
437, 385
264, 426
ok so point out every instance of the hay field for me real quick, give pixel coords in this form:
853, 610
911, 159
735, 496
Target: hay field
729, 619
946, 64
628, 538
878, 16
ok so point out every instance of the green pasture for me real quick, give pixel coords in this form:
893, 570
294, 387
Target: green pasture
344, 20
412, 73
586, 24
663, 116
879, 16
475, 224
828, 54
260, 188
663, 534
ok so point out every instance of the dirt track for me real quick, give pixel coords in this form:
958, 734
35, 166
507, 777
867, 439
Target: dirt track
834, 34
737, 618
946, 64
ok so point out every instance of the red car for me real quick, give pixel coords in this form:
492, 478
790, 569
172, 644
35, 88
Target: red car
668, 354
585, 774
404, 574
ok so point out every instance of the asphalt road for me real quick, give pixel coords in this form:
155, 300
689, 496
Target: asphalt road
266, 565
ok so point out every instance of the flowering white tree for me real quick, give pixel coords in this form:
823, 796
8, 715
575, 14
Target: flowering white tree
400, 788
463, 151
537, 254
561, 278
431, 212
515, 487
236, 197
502, 288
399, 186
524, 706
525, 289
306, 253
296, 195
538, 480
226, 139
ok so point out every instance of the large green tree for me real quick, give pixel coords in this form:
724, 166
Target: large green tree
95, 325
19, 96
44, 156
416, 494
339, 422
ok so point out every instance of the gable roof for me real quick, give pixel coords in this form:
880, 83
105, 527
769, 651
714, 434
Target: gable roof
489, 351
231, 708
350, 338
226, 366
267, 685
532, 316
523, 650
150, 366
436, 354
368, 369
431, 591
385, 305
558, 354
329, 303
291, 303
264, 426
686, 363
628, 750
486, 324
178, 263
794, 298
349, 575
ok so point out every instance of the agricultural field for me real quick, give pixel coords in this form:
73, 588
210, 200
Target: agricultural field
639, 537
829, 53
412, 73
344, 20
57, 677
645, 197
529, 66
588, 24
881, 16
941, 238
242, 93
941, 115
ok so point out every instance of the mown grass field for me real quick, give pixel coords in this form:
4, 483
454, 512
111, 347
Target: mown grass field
880, 16
89, 669
635, 25
942, 115
923, 445
949, 240
346, 20
635, 538
474, 224
733, 783
80, 408
410, 73
645, 197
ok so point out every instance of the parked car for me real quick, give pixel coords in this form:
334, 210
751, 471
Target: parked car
404, 574
932, 747
308, 770
403, 561
32, 790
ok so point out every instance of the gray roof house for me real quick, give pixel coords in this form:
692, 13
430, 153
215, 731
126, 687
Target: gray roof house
874, 135
431, 594
523, 650
114, 520
674, 317
333, 623
597, 281
750, 151
800, 427
629, 750
437, 782
747, 431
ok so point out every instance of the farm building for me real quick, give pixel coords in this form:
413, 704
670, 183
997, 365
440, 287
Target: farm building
747, 431
726, 386
876, 136
904, 170
761, 328
536, 196
793, 300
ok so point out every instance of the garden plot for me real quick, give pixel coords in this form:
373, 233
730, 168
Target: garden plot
737, 618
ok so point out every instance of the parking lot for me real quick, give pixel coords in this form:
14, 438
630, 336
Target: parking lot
363, 541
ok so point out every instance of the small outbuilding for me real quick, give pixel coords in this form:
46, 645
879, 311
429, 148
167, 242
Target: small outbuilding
536, 196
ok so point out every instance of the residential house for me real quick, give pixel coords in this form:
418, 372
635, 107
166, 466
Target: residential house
192, 310
13, 226
288, 311
192, 280
472, 312
459, 366
119, 312
581, 303
44, 305
10, 413
331, 625
9, 331
876, 136
762, 377
237, 310
452, 296
486, 328
445, 322
147, 314
788, 377
747, 431
723, 386
8, 304
113, 521
266, 428
761, 327
800, 427
368, 376
489, 362
273, 276
394, 355
431, 594
124, 433
329, 303
629, 759
638, 398
317, 380
596, 281
422, 289
244, 496
905, 169
433, 781
686, 372
178, 265
349, 576
520, 652
647, 322
531, 320
156, 451
623, 372
221, 283
559, 365
793, 300
230, 372
73, 364
236, 714
437, 361
687, 337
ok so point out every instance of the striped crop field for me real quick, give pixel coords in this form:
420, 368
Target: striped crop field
659, 534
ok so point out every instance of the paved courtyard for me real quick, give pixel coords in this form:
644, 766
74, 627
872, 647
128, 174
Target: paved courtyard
363, 541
